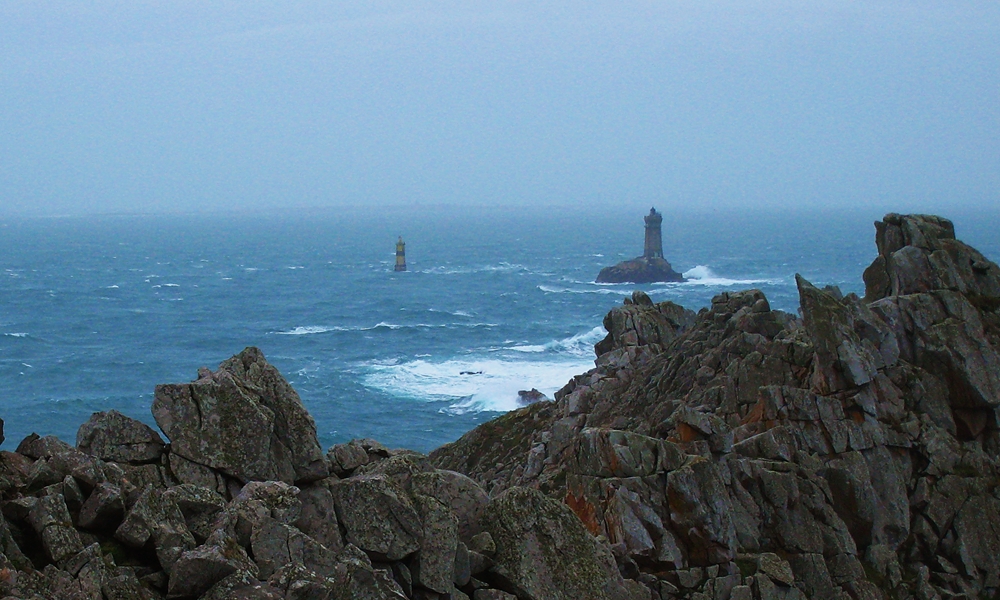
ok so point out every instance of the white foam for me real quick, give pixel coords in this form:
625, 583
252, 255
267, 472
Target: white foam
703, 275
487, 385
312, 329
581, 344
111, 287
17, 335
306, 330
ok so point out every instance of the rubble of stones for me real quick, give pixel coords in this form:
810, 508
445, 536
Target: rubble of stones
849, 452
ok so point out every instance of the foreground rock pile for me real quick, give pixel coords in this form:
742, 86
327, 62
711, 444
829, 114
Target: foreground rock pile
744, 453
740, 453
242, 503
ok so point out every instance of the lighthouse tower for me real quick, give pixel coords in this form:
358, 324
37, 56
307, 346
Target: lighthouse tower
400, 255
654, 241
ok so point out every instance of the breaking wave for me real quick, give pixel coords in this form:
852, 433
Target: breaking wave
581, 344
314, 329
472, 385
703, 275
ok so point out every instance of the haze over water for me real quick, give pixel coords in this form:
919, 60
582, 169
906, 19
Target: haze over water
95, 311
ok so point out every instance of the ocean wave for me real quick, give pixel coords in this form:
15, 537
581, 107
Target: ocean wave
16, 335
313, 329
395, 326
700, 275
499, 268
581, 344
306, 330
471, 385
703, 275
551, 289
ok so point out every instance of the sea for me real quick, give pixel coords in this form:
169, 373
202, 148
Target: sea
96, 311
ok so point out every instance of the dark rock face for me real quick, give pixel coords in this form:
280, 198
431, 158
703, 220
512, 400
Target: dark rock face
919, 253
244, 421
544, 552
526, 397
639, 270
113, 436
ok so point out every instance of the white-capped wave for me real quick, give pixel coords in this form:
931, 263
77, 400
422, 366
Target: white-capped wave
395, 326
17, 335
111, 287
551, 289
312, 329
703, 275
307, 330
581, 344
473, 385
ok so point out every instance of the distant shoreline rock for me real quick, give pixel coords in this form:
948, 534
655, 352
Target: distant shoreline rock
640, 270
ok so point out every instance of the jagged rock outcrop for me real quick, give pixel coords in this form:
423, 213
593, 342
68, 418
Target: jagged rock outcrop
244, 421
754, 454
543, 552
116, 437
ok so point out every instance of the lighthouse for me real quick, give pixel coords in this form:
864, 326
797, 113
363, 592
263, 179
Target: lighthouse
400, 255
654, 242
648, 268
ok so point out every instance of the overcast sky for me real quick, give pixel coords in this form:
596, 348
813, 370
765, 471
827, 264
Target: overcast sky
182, 105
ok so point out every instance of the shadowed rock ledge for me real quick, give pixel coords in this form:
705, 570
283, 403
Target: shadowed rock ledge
739, 453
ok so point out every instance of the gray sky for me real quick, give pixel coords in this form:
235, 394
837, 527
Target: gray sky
188, 105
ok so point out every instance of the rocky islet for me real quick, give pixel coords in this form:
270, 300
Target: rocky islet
739, 453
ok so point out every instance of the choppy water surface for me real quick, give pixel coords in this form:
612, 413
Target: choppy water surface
95, 311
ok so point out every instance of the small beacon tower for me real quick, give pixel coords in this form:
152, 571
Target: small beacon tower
654, 240
401, 255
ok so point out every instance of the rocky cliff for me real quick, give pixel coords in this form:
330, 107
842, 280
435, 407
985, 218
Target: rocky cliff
849, 452
738, 453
